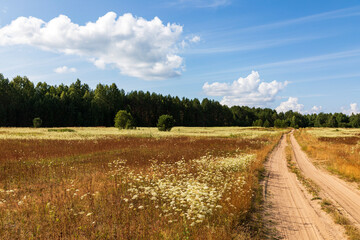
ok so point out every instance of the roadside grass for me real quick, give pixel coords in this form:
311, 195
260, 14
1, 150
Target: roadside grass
310, 185
338, 151
326, 205
131, 188
351, 231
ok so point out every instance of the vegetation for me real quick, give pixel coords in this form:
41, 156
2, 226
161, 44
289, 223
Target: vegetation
310, 185
61, 130
352, 231
21, 101
338, 151
165, 123
37, 122
129, 187
124, 120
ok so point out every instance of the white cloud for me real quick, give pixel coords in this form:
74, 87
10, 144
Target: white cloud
195, 39
316, 109
290, 104
137, 47
64, 69
249, 91
354, 109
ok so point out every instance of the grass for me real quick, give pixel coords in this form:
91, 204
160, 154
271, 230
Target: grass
82, 133
61, 130
338, 150
310, 185
351, 231
110, 185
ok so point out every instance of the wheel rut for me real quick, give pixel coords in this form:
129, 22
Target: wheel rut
288, 207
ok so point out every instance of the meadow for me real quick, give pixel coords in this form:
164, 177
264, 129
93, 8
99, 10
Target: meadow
337, 150
102, 183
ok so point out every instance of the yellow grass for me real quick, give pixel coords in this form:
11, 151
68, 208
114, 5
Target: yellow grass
101, 132
336, 149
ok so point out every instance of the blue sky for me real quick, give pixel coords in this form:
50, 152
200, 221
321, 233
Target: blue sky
300, 55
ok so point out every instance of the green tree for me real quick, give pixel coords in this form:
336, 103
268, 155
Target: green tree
280, 123
355, 120
266, 124
37, 122
165, 123
258, 123
124, 120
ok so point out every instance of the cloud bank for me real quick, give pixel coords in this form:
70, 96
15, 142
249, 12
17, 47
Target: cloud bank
248, 91
137, 47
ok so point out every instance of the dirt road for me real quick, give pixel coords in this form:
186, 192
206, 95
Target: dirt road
336, 189
289, 208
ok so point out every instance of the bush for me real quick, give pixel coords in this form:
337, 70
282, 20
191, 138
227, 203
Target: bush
165, 123
124, 120
37, 122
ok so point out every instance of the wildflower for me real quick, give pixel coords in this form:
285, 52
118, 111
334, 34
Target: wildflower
89, 214
141, 207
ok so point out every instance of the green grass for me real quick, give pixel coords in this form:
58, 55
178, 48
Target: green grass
61, 130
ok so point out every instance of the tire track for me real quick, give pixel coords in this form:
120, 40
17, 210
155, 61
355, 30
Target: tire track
288, 207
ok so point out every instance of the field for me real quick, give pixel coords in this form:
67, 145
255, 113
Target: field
102, 183
338, 150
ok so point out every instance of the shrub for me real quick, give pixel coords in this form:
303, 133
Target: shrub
165, 123
37, 122
124, 120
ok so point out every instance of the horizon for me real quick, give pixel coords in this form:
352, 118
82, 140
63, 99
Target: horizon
285, 57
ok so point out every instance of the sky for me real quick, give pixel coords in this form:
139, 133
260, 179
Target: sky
285, 55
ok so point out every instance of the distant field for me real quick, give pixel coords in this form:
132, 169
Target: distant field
86, 183
78, 133
338, 150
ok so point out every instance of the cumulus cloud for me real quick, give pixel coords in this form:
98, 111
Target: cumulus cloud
354, 109
248, 91
64, 69
290, 104
137, 47
316, 109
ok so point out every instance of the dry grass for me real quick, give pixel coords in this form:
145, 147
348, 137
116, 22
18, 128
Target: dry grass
81, 133
337, 149
121, 187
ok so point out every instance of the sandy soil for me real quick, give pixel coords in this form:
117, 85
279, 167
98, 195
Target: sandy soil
289, 208
344, 194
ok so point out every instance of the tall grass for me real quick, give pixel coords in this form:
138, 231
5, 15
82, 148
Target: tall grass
129, 188
340, 154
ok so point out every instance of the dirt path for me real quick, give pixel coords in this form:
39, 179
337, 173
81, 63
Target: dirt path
289, 208
336, 189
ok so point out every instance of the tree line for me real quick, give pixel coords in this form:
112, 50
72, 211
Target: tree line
79, 105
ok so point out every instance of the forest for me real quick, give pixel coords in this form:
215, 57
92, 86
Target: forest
79, 105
